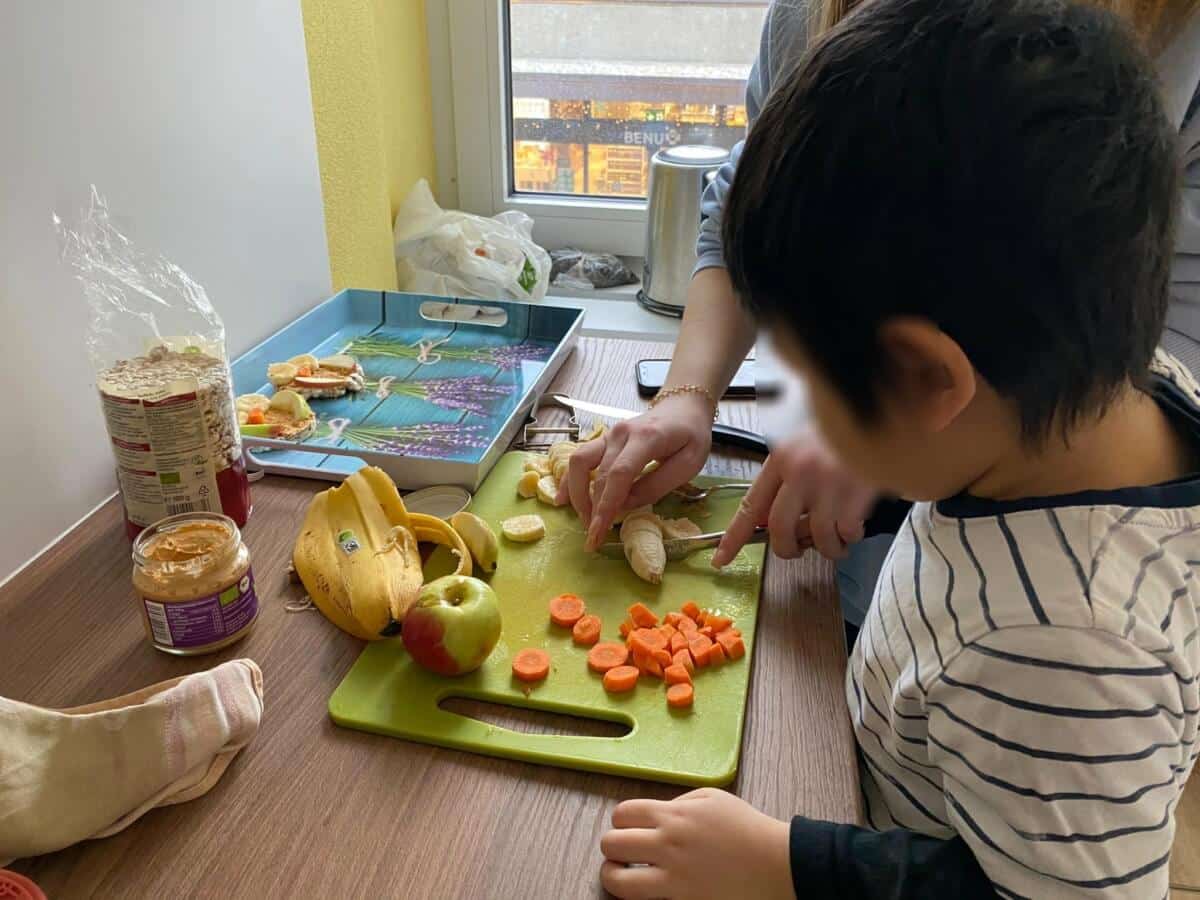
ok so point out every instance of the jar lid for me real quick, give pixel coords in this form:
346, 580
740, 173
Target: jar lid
442, 501
18, 887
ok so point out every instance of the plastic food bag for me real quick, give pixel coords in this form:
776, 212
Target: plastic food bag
456, 254
158, 350
577, 269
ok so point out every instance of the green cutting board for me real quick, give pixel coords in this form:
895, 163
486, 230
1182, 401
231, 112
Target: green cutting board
385, 692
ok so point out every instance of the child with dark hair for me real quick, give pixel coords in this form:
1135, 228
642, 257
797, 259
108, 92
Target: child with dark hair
1025, 688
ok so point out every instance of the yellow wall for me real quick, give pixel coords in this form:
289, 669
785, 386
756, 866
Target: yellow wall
369, 72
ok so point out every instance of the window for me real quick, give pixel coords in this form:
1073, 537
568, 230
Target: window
575, 97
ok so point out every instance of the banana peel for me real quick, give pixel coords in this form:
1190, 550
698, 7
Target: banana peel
358, 557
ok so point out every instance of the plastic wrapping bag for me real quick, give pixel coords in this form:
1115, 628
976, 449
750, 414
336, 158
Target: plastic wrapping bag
455, 254
157, 347
577, 269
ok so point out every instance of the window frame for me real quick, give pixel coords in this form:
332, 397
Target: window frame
477, 75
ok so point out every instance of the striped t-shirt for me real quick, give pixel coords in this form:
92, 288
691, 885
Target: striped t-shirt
1026, 678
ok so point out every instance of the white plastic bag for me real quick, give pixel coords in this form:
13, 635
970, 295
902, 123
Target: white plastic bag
455, 254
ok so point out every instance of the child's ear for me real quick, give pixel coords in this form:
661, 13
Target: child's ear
931, 377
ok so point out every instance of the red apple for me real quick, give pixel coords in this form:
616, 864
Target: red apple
454, 625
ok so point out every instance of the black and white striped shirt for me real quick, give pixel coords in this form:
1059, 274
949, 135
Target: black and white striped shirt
1027, 679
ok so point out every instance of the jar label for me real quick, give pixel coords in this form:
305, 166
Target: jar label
161, 443
198, 623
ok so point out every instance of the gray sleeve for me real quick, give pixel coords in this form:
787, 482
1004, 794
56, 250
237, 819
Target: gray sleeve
784, 36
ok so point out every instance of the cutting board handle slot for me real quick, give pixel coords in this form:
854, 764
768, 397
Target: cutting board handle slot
533, 720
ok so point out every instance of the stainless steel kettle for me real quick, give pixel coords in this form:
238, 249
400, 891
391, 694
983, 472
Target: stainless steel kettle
678, 177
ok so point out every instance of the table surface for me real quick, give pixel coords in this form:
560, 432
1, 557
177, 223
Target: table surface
310, 809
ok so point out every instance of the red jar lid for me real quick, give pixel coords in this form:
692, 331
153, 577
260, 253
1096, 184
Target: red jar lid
18, 887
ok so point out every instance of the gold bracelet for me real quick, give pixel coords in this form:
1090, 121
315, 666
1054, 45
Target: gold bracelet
687, 389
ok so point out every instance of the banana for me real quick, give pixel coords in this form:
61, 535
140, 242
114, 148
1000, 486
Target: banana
479, 538
527, 486
523, 529
547, 490
432, 530
357, 558
537, 462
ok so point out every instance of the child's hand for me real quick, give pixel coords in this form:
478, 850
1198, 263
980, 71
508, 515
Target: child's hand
806, 499
707, 843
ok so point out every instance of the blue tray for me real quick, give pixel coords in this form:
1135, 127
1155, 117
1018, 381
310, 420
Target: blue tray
449, 384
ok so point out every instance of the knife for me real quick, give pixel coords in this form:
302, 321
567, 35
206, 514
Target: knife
679, 548
721, 434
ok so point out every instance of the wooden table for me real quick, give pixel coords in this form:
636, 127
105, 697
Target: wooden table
309, 809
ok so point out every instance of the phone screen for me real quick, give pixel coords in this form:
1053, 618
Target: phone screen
651, 373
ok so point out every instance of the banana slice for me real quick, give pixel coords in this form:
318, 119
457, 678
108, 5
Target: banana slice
339, 363
305, 360
527, 486
547, 491
246, 402
282, 374
479, 538
291, 403
539, 463
523, 529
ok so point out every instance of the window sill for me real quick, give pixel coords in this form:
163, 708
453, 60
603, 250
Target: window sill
615, 313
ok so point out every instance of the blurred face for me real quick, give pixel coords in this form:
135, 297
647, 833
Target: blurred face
935, 433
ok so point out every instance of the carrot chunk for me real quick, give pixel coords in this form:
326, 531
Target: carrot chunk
566, 610
641, 615
733, 645
668, 631
678, 642
716, 655
653, 667
688, 627
672, 618
680, 696
620, 679
652, 637
531, 664
586, 631
677, 674
684, 658
717, 622
607, 655
663, 657
255, 417
626, 628
700, 645
708, 632
692, 611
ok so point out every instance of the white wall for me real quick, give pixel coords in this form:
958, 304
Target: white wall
195, 120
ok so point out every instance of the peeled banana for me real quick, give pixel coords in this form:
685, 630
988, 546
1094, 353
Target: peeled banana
479, 538
358, 558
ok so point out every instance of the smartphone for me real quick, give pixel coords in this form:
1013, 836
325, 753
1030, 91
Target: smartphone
651, 373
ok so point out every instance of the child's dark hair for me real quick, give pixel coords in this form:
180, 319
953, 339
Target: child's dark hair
1003, 168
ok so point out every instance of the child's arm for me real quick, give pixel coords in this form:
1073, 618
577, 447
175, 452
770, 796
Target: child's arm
659, 849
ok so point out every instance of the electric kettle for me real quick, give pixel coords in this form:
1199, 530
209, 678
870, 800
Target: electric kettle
678, 177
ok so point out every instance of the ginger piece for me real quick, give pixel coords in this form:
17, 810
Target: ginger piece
642, 537
682, 527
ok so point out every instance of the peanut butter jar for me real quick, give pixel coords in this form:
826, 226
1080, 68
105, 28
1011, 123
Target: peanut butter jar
194, 584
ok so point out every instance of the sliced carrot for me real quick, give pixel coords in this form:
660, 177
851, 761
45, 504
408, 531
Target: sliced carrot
641, 615
680, 696
653, 667
700, 645
708, 632
736, 631
677, 674
620, 679
639, 644
566, 610
688, 627
531, 664
692, 611
672, 618
607, 655
626, 628
586, 631
717, 622
734, 646
679, 642
663, 657
716, 655
652, 637
667, 631
256, 417
684, 658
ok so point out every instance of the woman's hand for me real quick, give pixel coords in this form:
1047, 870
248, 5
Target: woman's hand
806, 499
658, 849
677, 433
